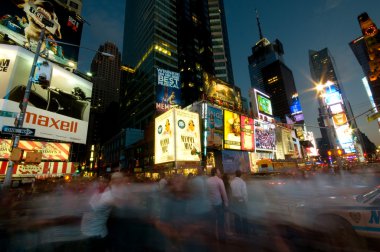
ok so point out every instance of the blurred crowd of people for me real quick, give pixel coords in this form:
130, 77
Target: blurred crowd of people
116, 213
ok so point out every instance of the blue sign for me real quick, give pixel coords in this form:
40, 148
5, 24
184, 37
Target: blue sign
168, 90
18, 131
295, 108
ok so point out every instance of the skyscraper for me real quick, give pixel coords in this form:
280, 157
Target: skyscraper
269, 74
174, 36
336, 117
220, 43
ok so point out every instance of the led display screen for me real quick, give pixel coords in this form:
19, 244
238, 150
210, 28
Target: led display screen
264, 105
336, 108
168, 90
232, 129
265, 136
295, 108
333, 98
247, 133
339, 119
20, 20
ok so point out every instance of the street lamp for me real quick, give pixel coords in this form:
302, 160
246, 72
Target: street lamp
23, 105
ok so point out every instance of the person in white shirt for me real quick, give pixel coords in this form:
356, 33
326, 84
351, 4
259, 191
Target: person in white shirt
218, 199
239, 203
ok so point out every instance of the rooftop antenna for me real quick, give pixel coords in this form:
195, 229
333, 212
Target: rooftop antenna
258, 24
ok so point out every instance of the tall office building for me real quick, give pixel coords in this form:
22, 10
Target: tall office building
150, 42
263, 54
174, 36
220, 42
269, 74
336, 116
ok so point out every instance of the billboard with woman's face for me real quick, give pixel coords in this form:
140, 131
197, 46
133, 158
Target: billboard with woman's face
232, 137
214, 127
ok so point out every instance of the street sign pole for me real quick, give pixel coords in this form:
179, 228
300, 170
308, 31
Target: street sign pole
23, 106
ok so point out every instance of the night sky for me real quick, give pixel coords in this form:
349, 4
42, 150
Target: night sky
300, 25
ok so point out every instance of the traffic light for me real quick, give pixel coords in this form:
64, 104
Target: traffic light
329, 152
339, 152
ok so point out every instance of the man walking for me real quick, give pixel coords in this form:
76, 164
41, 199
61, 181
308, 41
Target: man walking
239, 203
218, 199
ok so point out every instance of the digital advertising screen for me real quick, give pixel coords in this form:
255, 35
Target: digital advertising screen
264, 105
187, 133
333, 98
265, 136
59, 112
345, 138
232, 136
214, 127
247, 133
339, 119
336, 108
295, 108
21, 21
168, 90
164, 141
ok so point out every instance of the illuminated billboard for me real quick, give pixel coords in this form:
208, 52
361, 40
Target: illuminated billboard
336, 108
60, 111
214, 127
344, 135
221, 93
339, 119
265, 136
50, 150
264, 104
43, 168
247, 133
177, 137
164, 142
168, 90
232, 129
295, 108
21, 21
187, 132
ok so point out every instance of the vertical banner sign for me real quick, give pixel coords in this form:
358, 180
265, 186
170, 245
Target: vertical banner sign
168, 90
214, 127
164, 146
188, 140
247, 135
231, 130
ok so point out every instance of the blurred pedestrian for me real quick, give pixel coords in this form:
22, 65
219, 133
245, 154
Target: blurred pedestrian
239, 199
219, 201
94, 221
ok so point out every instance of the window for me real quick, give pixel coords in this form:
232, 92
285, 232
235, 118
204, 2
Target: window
73, 5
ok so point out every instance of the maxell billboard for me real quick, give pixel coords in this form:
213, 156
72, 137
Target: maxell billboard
21, 21
59, 111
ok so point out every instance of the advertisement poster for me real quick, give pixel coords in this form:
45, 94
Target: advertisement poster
50, 150
214, 127
60, 111
232, 130
43, 168
295, 108
187, 133
344, 135
265, 136
235, 160
247, 133
21, 21
168, 90
164, 142
221, 93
